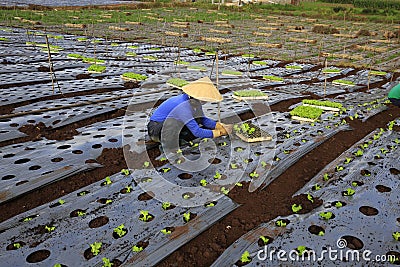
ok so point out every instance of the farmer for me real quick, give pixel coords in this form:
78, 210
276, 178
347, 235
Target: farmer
183, 116
394, 95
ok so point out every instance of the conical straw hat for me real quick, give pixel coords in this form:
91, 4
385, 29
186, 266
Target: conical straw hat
203, 89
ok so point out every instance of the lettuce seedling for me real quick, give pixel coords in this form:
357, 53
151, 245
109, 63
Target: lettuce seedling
108, 201
338, 204
165, 231
81, 213
233, 165
186, 216
136, 248
310, 198
17, 245
57, 265
146, 164
145, 216
128, 189
281, 223
165, 170
217, 175
95, 248
254, 174
301, 250
348, 160
27, 219
326, 177
316, 187
61, 201
239, 184
224, 190
210, 204
396, 236
50, 228
326, 215
321, 233
264, 239
359, 153
107, 181
125, 172
245, 257
166, 205
203, 182
296, 208
120, 231
349, 192
263, 164
107, 262
339, 168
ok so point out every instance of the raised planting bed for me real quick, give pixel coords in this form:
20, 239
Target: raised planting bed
249, 95
131, 76
250, 133
343, 82
306, 113
177, 82
96, 68
325, 105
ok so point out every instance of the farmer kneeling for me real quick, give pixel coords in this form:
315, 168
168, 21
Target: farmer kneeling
181, 117
394, 95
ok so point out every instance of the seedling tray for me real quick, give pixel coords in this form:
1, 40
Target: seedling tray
244, 98
323, 107
259, 136
303, 119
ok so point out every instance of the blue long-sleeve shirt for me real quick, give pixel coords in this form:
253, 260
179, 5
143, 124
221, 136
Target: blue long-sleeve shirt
179, 108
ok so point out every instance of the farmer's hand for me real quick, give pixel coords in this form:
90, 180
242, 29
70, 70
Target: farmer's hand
216, 133
224, 128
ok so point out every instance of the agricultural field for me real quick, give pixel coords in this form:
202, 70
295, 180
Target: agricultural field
311, 165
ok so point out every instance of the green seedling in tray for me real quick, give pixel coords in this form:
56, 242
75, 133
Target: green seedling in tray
310, 198
338, 204
50, 228
177, 82
344, 82
349, 192
306, 112
322, 103
231, 72
301, 250
280, 223
166, 232
217, 175
96, 68
273, 78
125, 172
186, 216
264, 239
259, 63
166, 205
203, 182
249, 93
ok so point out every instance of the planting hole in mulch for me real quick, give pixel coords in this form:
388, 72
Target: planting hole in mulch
8, 177
214, 161
240, 263
336, 203
104, 201
98, 222
316, 230
116, 236
57, 159
368, 211
306, 205
358, 183
22, 161
116, 263
264, 240
146, 196
187, 195
21, 182
77, 213
185, 176
82, 193
239, 149
55, 205
398, 220
142, 244
15, 245
353, 242
394, 171
149, 218
38, 256
365, 173
382, 188
396, 255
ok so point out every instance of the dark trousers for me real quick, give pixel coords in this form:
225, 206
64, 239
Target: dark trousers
171, 133
395, 101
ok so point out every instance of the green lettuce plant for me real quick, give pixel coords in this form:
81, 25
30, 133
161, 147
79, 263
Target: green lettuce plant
95, 248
